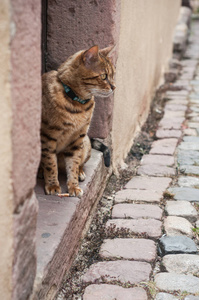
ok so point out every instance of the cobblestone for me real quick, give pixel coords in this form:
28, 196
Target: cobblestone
137, 195
181, 209
132, 249
136, 211
185, 193
144, 227
155, 170
121, 271
176, 245
109, 291
165, 296
149, 183
161, 160
177, 226
164, 146
182, 263
171, 282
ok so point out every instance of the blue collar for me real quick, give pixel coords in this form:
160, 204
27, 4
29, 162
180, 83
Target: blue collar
73, 96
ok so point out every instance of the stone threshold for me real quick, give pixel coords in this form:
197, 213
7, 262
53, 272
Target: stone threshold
61, 225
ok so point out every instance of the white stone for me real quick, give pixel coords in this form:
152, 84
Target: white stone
181, 209
188, 181
171, 282
178, 226
165, 296
182, 263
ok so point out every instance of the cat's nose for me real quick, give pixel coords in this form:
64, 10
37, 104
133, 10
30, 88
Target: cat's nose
113, 87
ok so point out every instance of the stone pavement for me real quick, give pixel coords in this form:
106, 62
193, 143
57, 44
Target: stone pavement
158, 208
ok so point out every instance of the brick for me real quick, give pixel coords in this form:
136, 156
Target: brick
164, 146
136, 211
121, 271
132, 249
137, 195
162, 160
149, 183
109, 291
149, 227
155, 170
165, 133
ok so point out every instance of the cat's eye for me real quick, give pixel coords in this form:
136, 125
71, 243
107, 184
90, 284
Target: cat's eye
103, 76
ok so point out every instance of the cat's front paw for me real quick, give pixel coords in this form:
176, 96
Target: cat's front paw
75, 192
82, 176
52, 189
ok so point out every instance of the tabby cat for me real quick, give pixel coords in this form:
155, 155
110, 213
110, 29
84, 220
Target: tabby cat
67, 108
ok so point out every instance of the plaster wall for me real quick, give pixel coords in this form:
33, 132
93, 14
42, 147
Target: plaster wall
145, 47
6, 193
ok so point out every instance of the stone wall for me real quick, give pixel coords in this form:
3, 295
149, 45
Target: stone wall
26, 108
6, 194
20, 82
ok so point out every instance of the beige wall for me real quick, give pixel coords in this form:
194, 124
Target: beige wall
145, 46
6, 207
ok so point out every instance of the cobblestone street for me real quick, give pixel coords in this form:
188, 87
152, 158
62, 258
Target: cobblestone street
129, 262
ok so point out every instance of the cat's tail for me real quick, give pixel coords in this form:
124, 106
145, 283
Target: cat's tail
97, 145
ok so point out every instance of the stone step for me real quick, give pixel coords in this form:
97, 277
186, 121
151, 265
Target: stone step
110, 291
127, 248
61, 222
145, 227
120, 271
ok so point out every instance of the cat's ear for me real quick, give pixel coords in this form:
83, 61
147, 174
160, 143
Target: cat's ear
91, 55
107, 51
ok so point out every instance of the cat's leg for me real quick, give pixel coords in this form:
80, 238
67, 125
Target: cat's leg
74, 165
86, 153
73, 161
49, 165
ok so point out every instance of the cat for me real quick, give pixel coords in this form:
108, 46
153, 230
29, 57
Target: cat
67, 108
